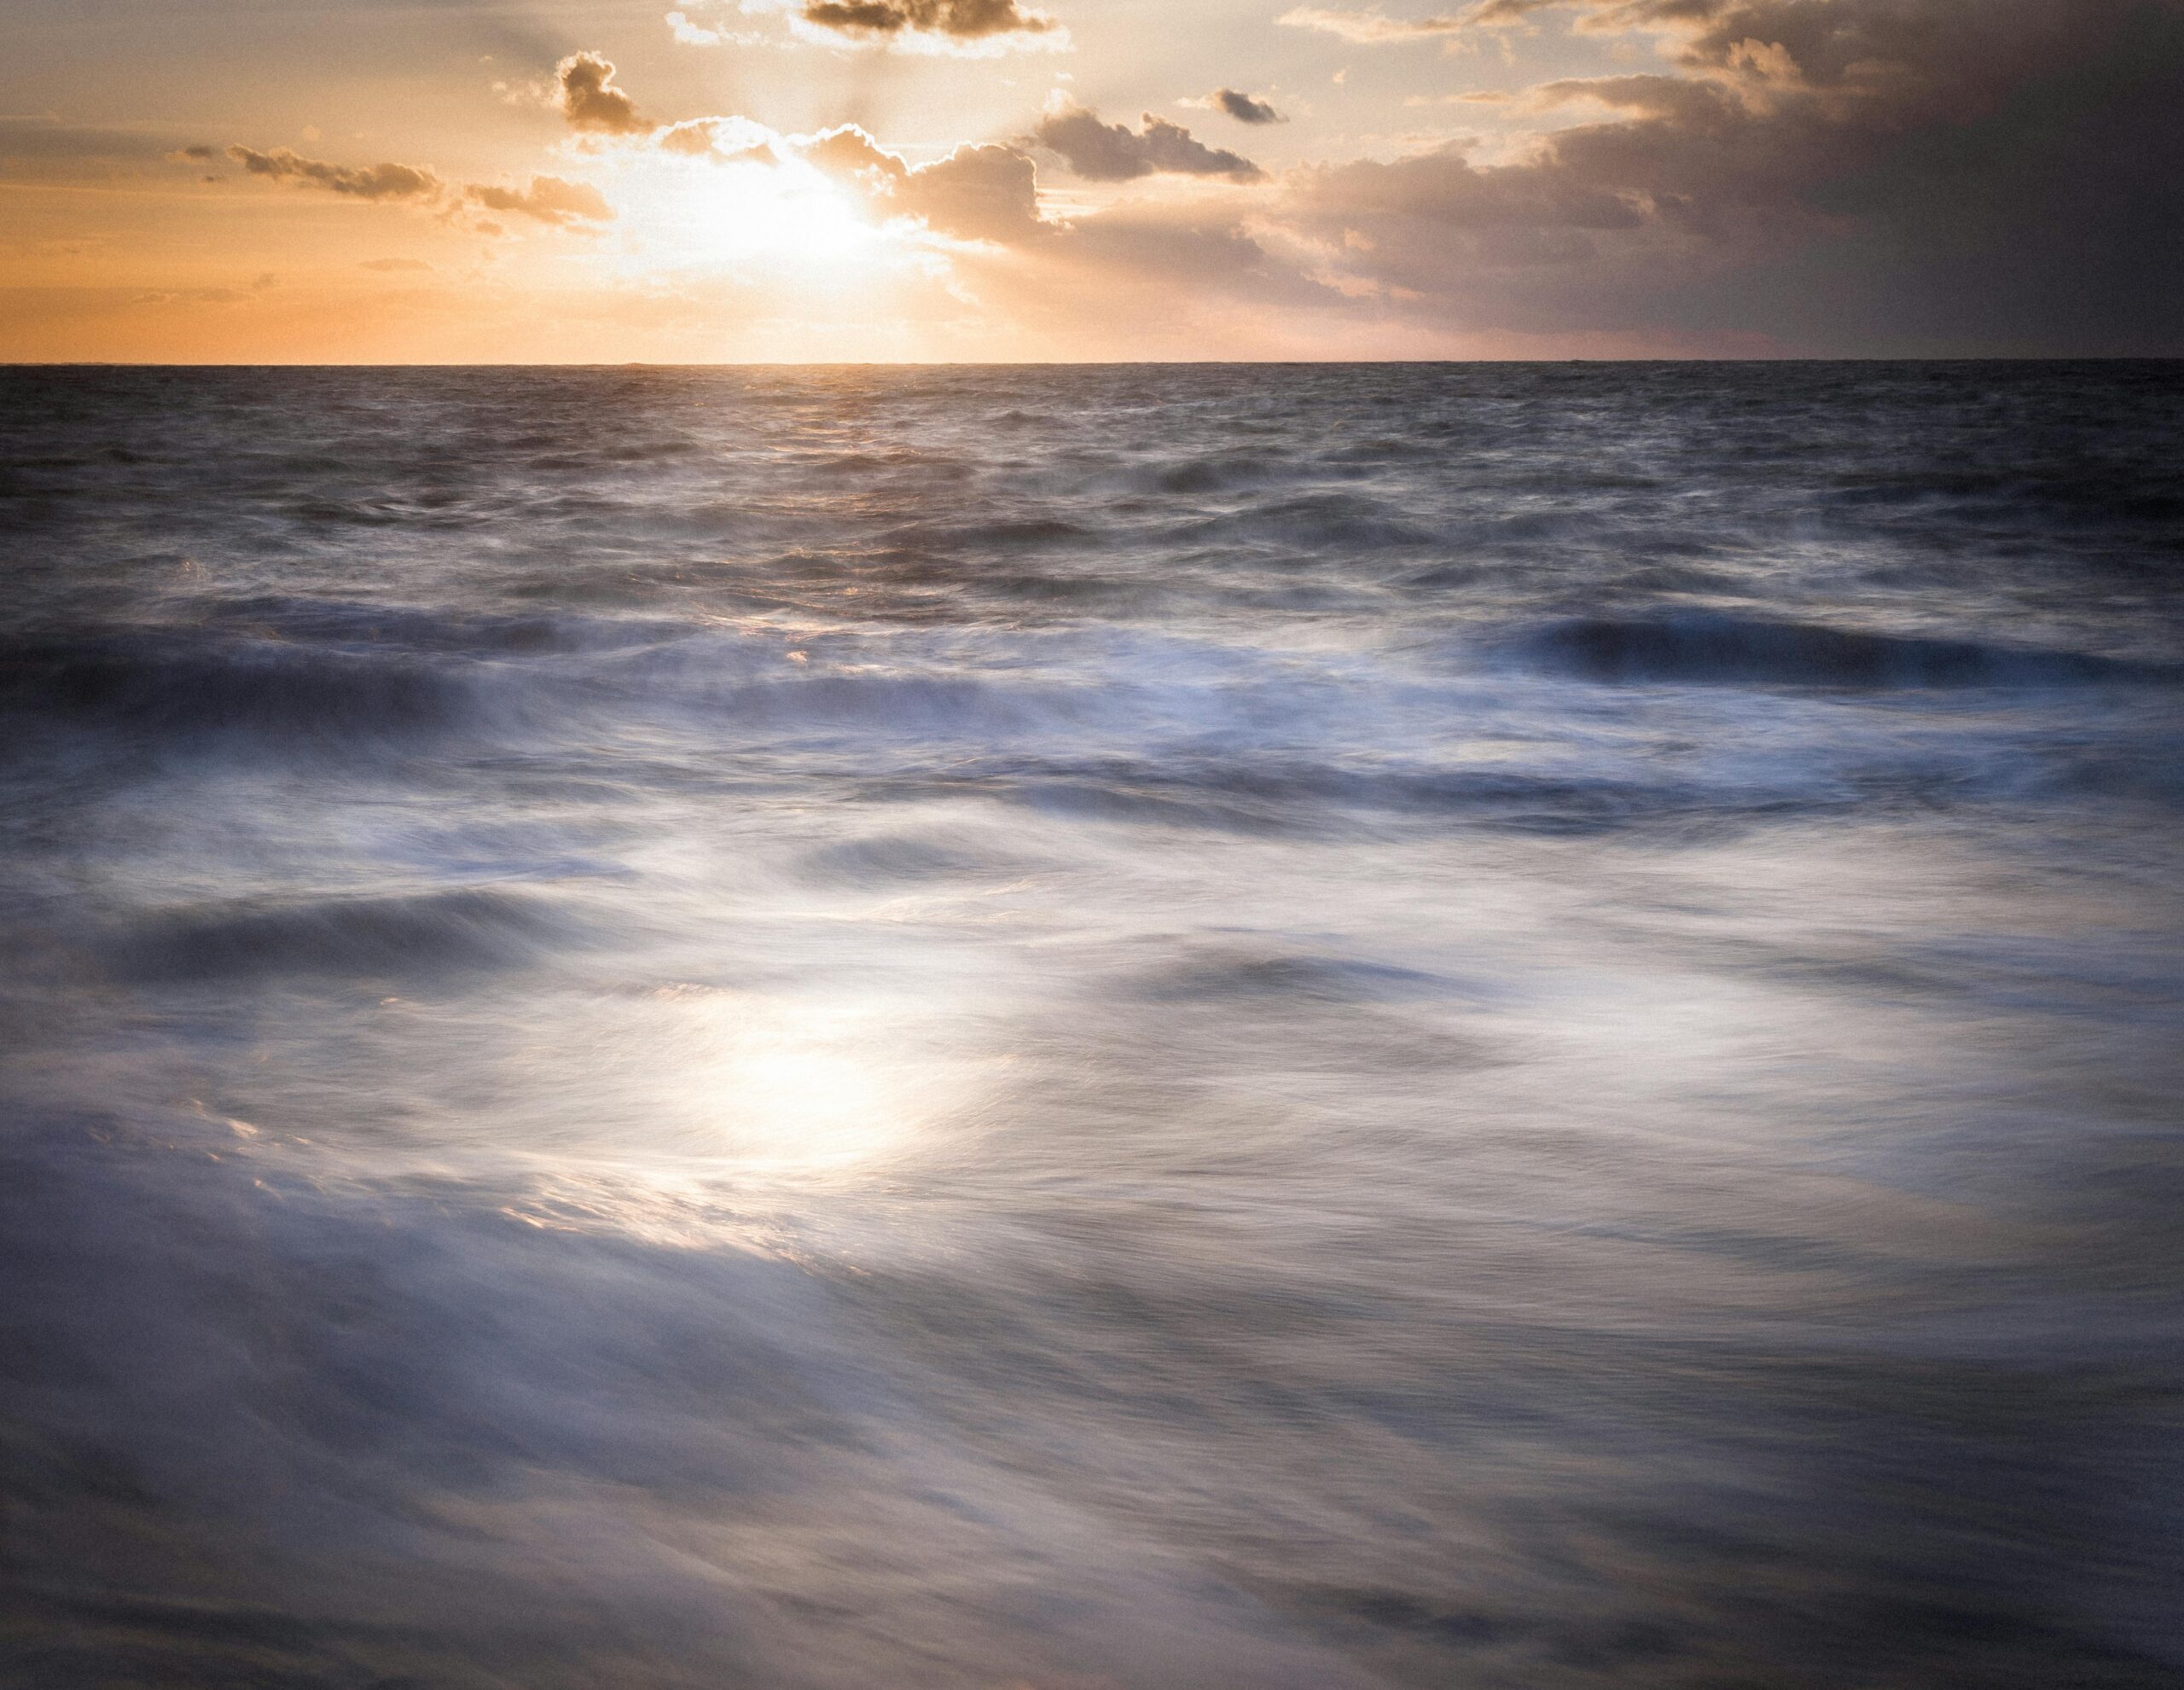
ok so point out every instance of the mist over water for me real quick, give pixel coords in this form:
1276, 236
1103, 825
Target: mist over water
1334, 1026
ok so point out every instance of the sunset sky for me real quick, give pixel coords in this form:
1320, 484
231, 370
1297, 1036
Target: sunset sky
728, 180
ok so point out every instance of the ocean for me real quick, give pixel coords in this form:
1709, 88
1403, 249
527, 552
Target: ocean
1319, 1026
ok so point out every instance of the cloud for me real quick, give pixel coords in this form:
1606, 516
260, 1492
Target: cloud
981, 193
985, 192
848, 153
586, 94
1180, 278
691, 33
1111, 152
1501, 13
944, 24
1684, 101
1860, 175
1242, 107
1373, 29
724, 140
548, 199
371, 182
393, 265
1852, 176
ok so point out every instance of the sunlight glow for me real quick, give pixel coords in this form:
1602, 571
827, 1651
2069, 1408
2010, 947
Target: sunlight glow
802, 1087
682, 214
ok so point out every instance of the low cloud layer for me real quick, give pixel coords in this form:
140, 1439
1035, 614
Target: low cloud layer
1111, 152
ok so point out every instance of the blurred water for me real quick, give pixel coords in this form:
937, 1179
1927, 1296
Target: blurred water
1155, 1027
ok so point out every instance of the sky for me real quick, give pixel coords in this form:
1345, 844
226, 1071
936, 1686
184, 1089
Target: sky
700, 181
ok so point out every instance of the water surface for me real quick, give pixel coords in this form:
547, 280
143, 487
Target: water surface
1502, 1026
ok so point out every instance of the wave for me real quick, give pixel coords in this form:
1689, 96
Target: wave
1284, 977
427, 934
905, 859
1715, 648
999, 534
1344, 521
253, 686
1302, 799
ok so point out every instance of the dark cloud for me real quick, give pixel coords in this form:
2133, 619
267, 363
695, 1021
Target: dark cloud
548, 199
949, 20
370, 182
586, 94
1243, 108
1111, 152
1819, 43
1847, 175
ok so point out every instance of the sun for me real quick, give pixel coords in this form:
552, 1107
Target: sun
775, 214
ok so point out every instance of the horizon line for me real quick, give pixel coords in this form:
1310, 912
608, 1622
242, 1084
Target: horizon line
1087, 363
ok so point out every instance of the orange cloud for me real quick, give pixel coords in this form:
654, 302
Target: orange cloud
586, 94
548, 199
976, 193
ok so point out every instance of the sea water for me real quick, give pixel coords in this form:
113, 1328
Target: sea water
1312, 1026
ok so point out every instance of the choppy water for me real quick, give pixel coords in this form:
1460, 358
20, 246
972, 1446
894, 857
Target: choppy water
1154, 1027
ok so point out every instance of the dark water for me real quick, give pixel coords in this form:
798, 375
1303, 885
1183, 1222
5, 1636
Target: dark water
1153, 1027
